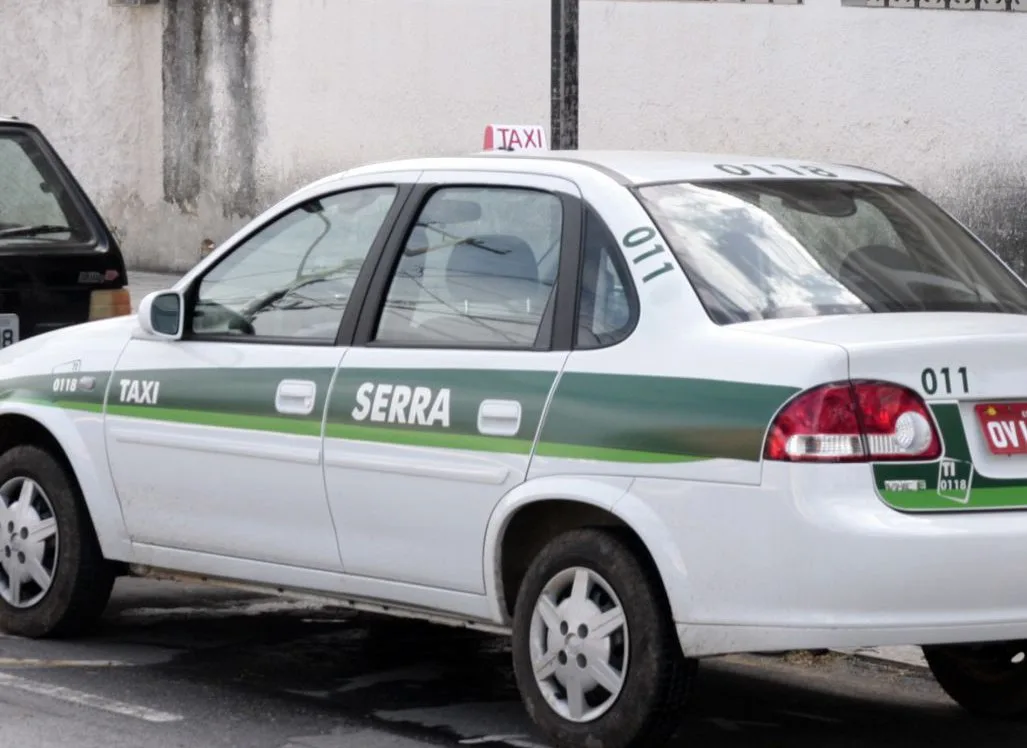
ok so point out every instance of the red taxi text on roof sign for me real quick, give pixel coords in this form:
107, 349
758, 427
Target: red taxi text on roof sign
515, 138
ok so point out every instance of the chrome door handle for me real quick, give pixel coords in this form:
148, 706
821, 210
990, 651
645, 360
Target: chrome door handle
499, 417
295, 397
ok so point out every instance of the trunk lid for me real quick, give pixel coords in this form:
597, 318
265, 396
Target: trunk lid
971, 368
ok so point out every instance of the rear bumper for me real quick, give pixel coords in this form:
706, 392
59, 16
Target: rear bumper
698, 640
813, 558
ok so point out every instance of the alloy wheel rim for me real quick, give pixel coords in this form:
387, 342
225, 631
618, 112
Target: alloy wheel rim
579, 644
28, 543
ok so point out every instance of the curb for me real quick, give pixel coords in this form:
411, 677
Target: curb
905, 656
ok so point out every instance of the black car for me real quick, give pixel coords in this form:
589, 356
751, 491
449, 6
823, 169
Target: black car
60, 264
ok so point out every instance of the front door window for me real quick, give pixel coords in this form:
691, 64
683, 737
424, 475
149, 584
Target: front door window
292, 279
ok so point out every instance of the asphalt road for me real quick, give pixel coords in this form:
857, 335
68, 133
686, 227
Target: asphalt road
198, 667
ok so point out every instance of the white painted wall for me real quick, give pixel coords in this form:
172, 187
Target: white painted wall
937, 97
87, 74
351, 81
934, 96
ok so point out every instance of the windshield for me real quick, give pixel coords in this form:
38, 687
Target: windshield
764, 249
35, 207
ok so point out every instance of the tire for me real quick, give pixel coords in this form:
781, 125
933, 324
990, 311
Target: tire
80, 578
989, 680
655, 676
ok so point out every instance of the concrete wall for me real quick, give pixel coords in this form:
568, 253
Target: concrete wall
937, 97
88, 75
187, 117
261, 96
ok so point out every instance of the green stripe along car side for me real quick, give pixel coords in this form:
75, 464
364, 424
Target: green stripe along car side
434, 407
608, 417
658, 419
76, 390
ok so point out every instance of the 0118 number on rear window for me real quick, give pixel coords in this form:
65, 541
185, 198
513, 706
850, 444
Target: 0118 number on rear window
774, 170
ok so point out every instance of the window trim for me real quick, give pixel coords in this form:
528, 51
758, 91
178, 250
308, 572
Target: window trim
556, 324
622, 269
191, 293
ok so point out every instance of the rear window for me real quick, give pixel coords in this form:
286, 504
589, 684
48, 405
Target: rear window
35, 205
765, 249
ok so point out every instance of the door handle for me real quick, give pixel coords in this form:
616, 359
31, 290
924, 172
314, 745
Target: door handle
499, 417
295, 397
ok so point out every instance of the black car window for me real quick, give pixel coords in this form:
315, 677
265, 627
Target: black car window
34, 206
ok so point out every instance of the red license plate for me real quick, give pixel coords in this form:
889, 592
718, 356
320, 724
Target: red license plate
1004, 426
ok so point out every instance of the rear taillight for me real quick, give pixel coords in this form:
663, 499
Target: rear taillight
854, 422
107, 303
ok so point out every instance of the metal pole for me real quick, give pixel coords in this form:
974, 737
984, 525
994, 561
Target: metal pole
564, 93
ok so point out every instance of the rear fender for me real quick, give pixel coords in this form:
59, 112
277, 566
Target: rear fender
610, 493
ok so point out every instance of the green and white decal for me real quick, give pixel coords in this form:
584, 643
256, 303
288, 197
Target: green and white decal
622, 418
78, 390
603, 417
226, 398
950, 483
434, 407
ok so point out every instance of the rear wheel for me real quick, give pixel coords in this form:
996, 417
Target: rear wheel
989, 680
595, 651
54, 580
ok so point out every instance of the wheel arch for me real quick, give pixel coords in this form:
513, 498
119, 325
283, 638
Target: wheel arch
535, 511
61, 434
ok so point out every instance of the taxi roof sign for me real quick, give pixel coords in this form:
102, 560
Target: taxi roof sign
515, 138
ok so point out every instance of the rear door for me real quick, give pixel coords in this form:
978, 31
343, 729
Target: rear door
434, 411
59, 264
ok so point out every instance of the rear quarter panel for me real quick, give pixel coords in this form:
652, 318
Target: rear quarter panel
681, 397
681, 403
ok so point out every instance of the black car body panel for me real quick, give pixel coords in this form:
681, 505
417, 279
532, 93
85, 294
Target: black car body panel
56, 251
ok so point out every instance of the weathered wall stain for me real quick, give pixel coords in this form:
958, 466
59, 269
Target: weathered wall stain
260, 96
212, 110
993, 204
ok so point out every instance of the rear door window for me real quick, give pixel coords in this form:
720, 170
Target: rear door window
478, 270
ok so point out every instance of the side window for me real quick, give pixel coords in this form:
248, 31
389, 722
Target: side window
478, 269
605, 314
293, 278
31, 197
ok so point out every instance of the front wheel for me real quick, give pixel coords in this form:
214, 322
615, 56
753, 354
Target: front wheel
54, 580
988, 680
596, 656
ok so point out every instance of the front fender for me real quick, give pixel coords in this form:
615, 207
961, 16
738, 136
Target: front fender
610, 493
81, 436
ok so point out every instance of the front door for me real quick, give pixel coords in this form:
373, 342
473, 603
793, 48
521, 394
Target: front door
215, 439
434, 412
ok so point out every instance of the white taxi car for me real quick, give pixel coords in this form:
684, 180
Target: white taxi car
634, 409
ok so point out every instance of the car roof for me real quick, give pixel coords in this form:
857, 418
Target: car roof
10, 120
639, 167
